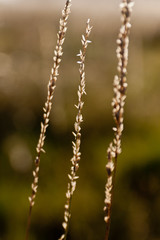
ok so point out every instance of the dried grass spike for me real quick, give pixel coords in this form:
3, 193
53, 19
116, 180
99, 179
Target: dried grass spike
77, 135
118, 102
48, 104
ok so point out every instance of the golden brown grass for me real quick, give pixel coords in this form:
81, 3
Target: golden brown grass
77, 133
48, 104
118, 102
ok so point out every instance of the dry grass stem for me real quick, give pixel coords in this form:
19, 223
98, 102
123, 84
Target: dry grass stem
77, 133
118, 102
48, 104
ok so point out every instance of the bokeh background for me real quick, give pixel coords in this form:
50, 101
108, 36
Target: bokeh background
27, 41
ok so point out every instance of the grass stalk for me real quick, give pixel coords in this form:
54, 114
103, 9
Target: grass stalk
48, 105
118, 102
77, 134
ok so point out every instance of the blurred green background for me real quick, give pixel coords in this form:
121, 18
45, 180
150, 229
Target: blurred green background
27, 41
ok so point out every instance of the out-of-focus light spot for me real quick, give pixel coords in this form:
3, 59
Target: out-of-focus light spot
20, 158
19, 154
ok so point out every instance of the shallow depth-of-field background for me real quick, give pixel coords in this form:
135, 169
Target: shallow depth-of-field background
27, 41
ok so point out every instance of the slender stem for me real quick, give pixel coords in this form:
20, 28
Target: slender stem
48, 105
108, 225
77, 134
28, 223
118, 102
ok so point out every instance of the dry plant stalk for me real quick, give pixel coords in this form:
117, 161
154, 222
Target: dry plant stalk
77, 133
48, 104
118, 102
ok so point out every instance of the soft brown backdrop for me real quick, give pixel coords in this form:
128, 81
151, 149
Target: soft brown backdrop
27, 41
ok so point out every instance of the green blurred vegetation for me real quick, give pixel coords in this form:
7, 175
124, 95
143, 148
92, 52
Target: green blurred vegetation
27, 42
